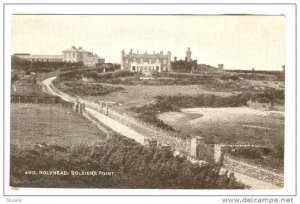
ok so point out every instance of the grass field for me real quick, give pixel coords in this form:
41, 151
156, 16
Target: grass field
27, 86
82, 89
237, 125
50, 138
51, 124
159, 100
135, 96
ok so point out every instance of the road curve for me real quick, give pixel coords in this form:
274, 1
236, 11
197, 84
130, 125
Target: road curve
130, 133
113, 124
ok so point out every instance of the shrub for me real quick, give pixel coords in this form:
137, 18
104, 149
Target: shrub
134, 166
122, 73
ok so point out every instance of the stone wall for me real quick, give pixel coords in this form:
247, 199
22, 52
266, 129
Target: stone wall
253, 171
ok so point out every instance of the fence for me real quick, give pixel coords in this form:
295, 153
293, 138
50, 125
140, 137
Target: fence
18, 98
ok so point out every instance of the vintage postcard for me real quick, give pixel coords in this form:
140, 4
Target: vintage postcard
148, 101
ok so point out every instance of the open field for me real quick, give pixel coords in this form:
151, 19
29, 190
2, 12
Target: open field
27, 86
50, 124
47, 139
81, 88
238, 125
136, 96
218, 107
132, 91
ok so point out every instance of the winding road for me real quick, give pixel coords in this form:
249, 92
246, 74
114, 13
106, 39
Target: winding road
130, 133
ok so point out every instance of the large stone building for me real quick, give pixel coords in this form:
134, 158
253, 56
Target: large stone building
145, 62
89, 59
73, 55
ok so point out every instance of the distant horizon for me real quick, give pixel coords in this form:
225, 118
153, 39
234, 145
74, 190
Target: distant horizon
239, 42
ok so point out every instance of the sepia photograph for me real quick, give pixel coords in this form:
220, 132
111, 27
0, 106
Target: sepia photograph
147, 101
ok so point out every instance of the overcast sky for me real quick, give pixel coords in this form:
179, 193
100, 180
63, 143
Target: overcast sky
238, 42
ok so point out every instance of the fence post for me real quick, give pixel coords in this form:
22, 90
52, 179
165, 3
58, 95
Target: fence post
107, 105
149, 142
218, 154
195, 144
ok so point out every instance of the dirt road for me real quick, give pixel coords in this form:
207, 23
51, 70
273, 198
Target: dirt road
129, 132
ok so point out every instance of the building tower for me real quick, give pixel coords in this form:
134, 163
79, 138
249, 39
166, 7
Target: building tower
221, 66
188, 55
169, 62
122, 59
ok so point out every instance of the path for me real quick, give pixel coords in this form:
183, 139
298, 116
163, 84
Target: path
130, 133
113, 124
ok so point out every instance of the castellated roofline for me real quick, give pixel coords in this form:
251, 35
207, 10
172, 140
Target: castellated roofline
131, 53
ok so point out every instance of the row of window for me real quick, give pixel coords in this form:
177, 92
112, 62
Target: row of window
70, 55
144, 68
44, 60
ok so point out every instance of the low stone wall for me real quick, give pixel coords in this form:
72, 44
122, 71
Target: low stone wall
253, 171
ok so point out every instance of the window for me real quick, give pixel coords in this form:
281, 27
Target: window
133, 68
157, 68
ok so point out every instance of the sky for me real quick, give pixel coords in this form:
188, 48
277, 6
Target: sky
237, 41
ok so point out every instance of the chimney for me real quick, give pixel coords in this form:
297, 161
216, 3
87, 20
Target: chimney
73, 47
80, 48
220, 66
161, 52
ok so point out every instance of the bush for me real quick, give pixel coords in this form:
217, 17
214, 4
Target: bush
248, 153
79, 88
122, 73
134, 166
